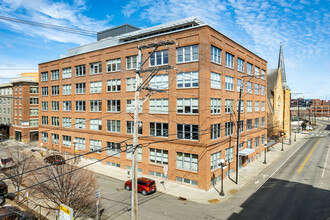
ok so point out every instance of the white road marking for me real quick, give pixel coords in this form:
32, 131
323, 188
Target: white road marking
256, 182
325, 163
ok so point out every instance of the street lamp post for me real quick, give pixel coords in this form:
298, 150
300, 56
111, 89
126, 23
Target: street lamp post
223, 166
265, 158
295, 134
282, 141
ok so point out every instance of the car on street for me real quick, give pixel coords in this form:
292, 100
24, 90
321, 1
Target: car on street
145, 185
55, 160
15, 213
3, 192
6, 162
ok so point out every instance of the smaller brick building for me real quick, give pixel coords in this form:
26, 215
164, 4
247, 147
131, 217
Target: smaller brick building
320, 108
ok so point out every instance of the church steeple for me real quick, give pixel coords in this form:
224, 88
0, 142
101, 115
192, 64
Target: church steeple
282, 66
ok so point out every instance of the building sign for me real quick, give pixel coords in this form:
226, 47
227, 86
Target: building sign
66, 213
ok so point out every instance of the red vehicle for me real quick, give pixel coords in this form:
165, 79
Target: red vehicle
145, 185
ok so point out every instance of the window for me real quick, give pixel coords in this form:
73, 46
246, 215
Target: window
81, 123
230, 154
158, 106
44, 106
248, 124
159, 82
229, 60
187, 80
249, 68
34, 90
66, 122
187, 161
249, 106
256, 71
80, 70
113, 65
188, 132
131, 62
113, 85
44, 137
131, 83
216, 160
263, 123
44, 77
215, 106
239, 84
159, 58
256, 88
242, 106
158, 156
249, 144
55, 90
129, 154
187, 54
44, 91
95, 68
229, 106
55, 121
95, 145
215, 54
80, 106
66, 73
157, 174
96, 87
80, 143
158, 129
55, 105
33, 111
215, 80
241, 125
215, 131
186, 181
34, 122
113, 105
44, 120
80, 88
55, 74
240, 65
187, 106
256, 122
113, 125
55, 139
66, 141
229, 83
256, 106
66, 105
262, 90
263, 139
229, 128
96, 105
33, 101
130, 105
113, 149
67, 89
130, 127
257, 141
263, 74
249, 87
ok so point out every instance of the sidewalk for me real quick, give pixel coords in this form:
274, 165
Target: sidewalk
176, 189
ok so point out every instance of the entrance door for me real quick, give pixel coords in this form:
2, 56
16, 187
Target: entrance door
34, 136
18, 136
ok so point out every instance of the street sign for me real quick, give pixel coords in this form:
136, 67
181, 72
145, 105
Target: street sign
98, 194
66, 213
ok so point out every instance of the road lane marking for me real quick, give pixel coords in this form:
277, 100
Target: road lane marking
308, 156
325, 163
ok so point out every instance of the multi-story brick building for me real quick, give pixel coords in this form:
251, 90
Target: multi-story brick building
320, 108
25, 108
5, 109
88, 97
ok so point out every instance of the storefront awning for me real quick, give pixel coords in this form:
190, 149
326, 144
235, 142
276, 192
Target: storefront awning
245, 152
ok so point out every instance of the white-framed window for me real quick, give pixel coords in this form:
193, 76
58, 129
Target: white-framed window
262, 90
263, 139
33, 101
256, 89
113, 125
66, 122
215, 80
215, 131
256, 106
55, 74
249, 68
159, 58
55, 121
229, 60
229, 128
129, 154
158, 129
241, 125
187, 161
215, 54
34, 122
186, 181
80, 70
216, 160
263, 122
44, 77
95, 68
187, 132
159, 82
187, 80
55, 105
215, 106
230, 154
249, 106
113, 65
240, 65
80, 88
55, 90
187, 53
187, 106
80, 143
55, 139
229, 83
95, 105
130, 105
80, 123
66, 141
263, 74
229, 106
257, 71
158, 156
131, 83
249, 144
263, 106
95, 124
44, 120
66, 73
113, 149
80, 106
66, 89
66, 106
113, 105
256, 123
248, 124
44, 137
96, 87
242, 106
239, 84
257, 141
114, 85
159, 106
131, 62
130, 127
249, 87
44, 106
44, 91
33, 90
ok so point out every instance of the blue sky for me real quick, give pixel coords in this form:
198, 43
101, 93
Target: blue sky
301, 25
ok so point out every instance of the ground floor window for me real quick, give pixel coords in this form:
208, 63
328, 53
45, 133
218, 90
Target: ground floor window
187, 181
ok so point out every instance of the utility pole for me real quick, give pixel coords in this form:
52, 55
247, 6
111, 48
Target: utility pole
238, 127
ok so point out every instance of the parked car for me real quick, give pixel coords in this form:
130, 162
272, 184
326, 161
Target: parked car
6, 162
14, 213
3, 192
145, 185
55, 160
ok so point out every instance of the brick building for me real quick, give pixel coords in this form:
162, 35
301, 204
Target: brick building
320, 108
88, 95
25, 108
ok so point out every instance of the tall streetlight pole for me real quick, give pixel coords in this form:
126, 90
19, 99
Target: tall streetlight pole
265, 159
